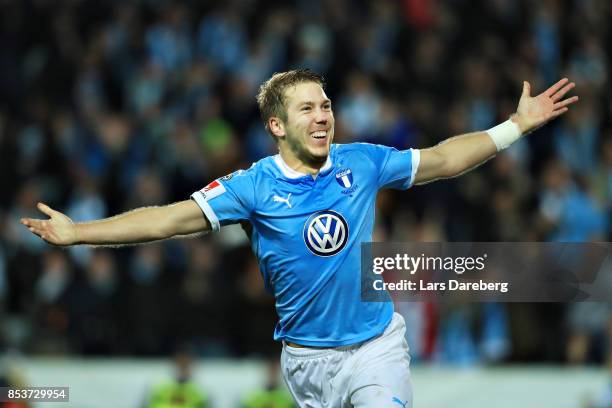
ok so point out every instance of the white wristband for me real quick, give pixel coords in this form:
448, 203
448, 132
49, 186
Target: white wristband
505, 134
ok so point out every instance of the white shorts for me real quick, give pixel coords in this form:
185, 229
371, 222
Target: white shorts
375, 373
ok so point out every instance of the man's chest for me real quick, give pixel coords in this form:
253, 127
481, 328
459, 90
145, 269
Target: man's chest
342, 189
319, 215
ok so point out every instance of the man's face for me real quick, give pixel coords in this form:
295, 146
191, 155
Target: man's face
309, 129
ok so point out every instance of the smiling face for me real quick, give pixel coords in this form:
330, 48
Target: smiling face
308, 131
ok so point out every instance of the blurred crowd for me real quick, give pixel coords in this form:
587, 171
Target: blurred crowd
108, 106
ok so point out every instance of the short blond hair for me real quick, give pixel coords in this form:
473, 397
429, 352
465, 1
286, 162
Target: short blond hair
271, 97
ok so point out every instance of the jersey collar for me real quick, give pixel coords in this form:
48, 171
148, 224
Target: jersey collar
293, 174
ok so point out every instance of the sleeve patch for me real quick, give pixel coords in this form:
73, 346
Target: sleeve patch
213, 190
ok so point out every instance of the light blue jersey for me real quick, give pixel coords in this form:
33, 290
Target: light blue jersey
306, 234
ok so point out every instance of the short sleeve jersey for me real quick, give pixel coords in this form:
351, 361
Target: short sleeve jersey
306, 234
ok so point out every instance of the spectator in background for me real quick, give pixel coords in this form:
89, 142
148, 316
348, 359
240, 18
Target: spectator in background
251, 299
601, 182
146, 303
11, 376
168, 41
181, 391
274, 394
589, 327
222, 40
571, 214
203, 295
95, 307
576, 143
359, 110
50, 305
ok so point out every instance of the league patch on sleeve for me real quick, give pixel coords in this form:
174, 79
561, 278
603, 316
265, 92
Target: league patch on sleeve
213, 190
231, 175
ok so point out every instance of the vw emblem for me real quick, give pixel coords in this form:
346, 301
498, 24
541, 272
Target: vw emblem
326, 233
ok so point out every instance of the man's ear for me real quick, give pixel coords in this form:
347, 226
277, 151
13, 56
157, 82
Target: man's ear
276, 126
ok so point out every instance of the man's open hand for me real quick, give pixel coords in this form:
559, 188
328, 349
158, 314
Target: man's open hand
57, 230
535, 111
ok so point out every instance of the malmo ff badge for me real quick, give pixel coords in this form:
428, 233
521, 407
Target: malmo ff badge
344, 178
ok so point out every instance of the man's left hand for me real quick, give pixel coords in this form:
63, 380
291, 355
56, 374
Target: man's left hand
535, 111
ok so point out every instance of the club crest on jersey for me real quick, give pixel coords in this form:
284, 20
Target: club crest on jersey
326, 233
345, 178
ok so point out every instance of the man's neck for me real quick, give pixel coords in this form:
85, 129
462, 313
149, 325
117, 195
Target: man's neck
301, 166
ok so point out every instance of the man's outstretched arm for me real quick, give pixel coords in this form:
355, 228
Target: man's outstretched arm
137, 226
459, 154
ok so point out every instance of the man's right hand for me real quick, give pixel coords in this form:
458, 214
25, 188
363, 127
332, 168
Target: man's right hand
138, 226
57, 230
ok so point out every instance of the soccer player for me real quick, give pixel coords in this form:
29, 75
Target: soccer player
307, 209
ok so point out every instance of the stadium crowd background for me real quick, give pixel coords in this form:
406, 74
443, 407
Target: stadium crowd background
108, 106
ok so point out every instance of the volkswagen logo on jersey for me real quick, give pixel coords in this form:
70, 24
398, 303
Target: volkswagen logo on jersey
345, 178
326, 233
